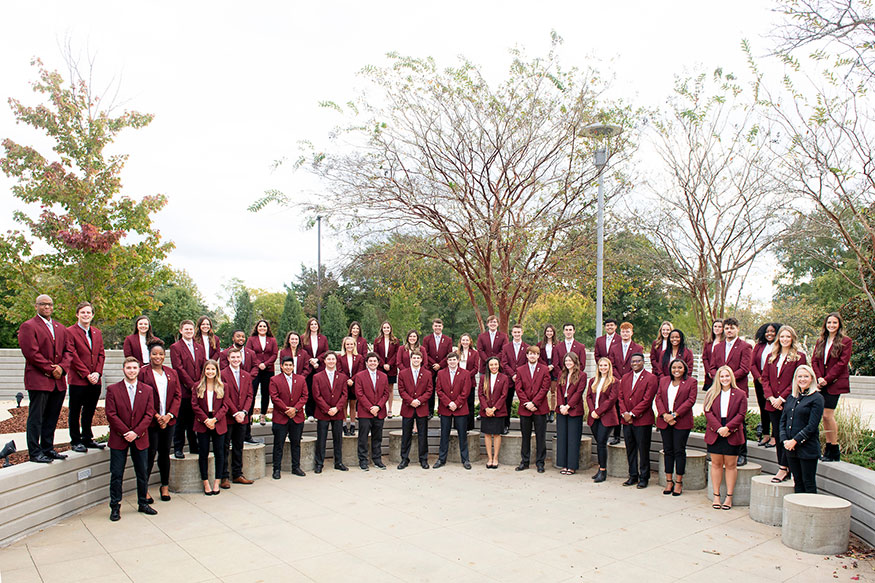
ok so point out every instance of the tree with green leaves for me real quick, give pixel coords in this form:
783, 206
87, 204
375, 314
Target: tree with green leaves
244, 316
178, 300
293, 317
334, 324
404, 312
370, 322
88, 241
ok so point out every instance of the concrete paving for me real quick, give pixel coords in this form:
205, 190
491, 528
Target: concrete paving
421, 525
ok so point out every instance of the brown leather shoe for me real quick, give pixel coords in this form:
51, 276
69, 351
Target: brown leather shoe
242, 480
225, 484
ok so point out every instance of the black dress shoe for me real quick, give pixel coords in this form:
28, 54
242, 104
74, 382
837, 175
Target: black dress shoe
146, 509
317, 470
769, 445
341, 467
403, 464
115, 513
641, 484
550, 417
165, 497
595, 475
352, 430
742, 460
364, 467
298, 472
253, 441
150, 500
600, 477
346, 430
522, 467
276, 474
614, 441
41, 459
380, 465
424, 465
438, 464
178, 454
93, 444
505, 431
466, 465
79, 448
541, 469
631, 482
55, 455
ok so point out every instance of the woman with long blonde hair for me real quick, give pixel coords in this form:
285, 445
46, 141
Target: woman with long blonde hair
725, 408
601, 411
660, 345
569, 418
799, 429
350, 363
210, 423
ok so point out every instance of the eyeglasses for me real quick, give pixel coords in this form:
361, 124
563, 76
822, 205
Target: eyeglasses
45, 304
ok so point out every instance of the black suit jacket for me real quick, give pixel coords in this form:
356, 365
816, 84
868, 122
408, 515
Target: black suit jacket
800, 421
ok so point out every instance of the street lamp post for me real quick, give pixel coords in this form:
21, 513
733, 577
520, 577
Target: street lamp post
319, 269
599, 131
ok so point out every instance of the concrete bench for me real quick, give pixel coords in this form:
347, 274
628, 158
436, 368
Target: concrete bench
585, 459
816, 523
767, 499
453, 454
694, 475
618, 463
509, 455
185, 474
308, 454
253, 460
741, 494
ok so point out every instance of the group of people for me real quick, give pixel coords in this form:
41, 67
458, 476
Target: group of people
207, 398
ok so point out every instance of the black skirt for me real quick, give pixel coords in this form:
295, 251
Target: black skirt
722, 445
492, 425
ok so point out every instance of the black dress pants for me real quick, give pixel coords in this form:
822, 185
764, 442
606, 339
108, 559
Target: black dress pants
804, 474
159, 446
568, 432
233, 467
775, 420
83, 403
674, 446
322, 427
44, 409
421, 436
511, 392
637, 440
540, 424
601, 433
184, 427
460, 422
117, 460
203, 453
374, 427
293, 431
765, 420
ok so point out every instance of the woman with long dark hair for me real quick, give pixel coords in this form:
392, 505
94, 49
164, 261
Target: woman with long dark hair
658, 346
166, 398
264, 345
410, 345
316, 344
205, 336
137, 344
765, 342
210, 423
493, 408
676, 349
831, 363
716, 336
547, 346
292, 348
386, 347
469, 359
725, 408
355, 331
569, 414
674, 407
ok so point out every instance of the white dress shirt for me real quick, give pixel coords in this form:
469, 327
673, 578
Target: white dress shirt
724, 404
161, 386
144, 349
672, 395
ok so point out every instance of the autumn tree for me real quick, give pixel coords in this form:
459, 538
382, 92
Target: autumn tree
87, 241
493, 179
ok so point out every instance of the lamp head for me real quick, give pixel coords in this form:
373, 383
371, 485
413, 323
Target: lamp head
19, 397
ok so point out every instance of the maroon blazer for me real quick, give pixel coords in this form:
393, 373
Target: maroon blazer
487, 348
367, 395
358, 365
248, 364
456, 392
533, 388
497, 397
200, 406
303, 365
683, 403
542, 358
638, 399
755, 359
266, 356
189, 370
437, 354
84, 360
576, 347
215, 353
602, 350
574, 397
509, 362
283, 398
361, 345
329, 395
41, 353
380, 349
656, 356
622, 365
402, 358
318, 353
738, 361
706, 363
686, 356
836, 371
122, 418
173, 397
734, 418
131, 347
779, 385
607, 410
421, 389
237, 398
473, 363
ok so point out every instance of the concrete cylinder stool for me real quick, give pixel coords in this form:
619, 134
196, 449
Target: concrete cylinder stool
585, 459
395, 447
453, 454
253, 460
308, 454
815, 523
694, 475
509, 455
741, 494
767, 499
618, 463
350, 450
185, 474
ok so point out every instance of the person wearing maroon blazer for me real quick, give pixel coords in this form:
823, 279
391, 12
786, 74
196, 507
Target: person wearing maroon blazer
659, 346
293, 349
262, 342
548, 358
674, 419
414, 387
490, 342
569, 422
831, 363
493, 408
736, 354
716, 337
637, 391
437, 346
205, 336
210, 402
621, 357
288, 392
43, 343
129, 412
453, 387
532, 384
247, 363
330, 388
386, 347
677, 349
355, 332
513, 356
777, 380
85, 345
350, 363
764, 341
469, 360
601, 403
238, 397
166, 400
604, 343
137, 344
725, 408
411, 345
569, 344
187, 359
372, 393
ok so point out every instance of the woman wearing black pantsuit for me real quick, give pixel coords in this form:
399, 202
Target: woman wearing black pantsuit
800, 429
569, 418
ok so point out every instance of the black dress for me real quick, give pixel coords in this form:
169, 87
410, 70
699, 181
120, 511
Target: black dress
492, 425
722, 445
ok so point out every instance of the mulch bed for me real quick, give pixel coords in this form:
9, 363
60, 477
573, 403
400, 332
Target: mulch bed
18, 424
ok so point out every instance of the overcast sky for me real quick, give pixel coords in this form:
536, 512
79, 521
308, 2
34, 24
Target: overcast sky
234, 86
